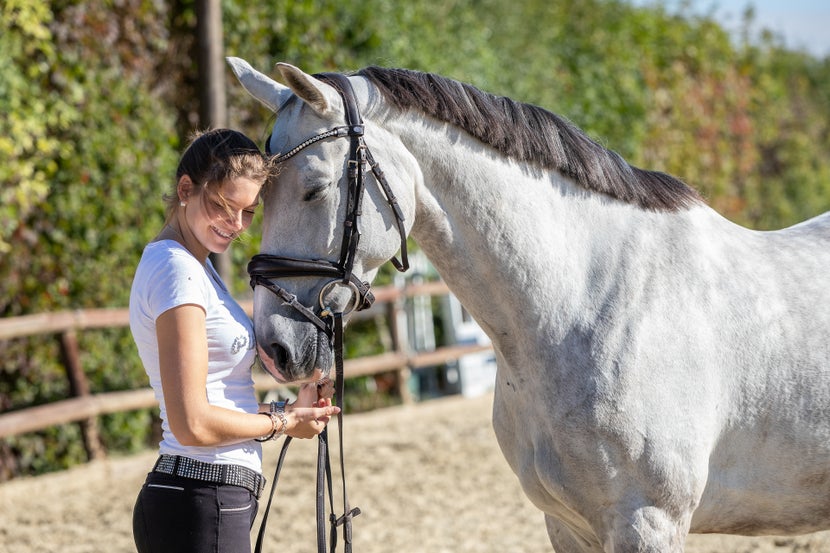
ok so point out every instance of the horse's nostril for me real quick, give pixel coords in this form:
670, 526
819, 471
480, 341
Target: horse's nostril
280, 356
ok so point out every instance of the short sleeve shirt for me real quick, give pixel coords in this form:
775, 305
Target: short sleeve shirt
169, 276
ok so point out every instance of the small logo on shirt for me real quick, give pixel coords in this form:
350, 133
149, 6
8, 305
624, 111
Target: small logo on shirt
240, 343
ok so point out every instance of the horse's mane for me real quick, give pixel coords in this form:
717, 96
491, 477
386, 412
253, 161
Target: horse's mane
529, 133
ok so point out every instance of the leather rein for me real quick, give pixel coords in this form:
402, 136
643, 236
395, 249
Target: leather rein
264, 268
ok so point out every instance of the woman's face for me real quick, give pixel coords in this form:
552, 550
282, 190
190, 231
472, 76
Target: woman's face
220, 214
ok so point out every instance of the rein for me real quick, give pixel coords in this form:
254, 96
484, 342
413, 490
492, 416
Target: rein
324, 477
264, 268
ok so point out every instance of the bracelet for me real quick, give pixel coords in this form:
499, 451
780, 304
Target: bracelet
278, 411
273, 433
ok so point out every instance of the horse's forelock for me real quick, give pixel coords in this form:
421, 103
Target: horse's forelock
531, 134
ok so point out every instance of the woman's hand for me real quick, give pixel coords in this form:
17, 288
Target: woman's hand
309, 415
325, 391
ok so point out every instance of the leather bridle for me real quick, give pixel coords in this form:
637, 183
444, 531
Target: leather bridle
263, 268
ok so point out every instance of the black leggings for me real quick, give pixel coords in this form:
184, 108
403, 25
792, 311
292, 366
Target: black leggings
179, 515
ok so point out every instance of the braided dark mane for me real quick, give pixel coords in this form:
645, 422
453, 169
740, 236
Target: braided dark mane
528, 133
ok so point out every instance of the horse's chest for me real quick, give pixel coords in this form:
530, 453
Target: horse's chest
526, 444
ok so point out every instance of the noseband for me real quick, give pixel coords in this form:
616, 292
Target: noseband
264, 268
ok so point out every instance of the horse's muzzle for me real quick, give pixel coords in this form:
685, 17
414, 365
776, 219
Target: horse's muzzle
303, 360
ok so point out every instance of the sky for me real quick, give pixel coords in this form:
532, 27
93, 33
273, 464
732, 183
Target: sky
803, 23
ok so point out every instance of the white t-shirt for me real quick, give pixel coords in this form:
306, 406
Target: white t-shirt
168, 276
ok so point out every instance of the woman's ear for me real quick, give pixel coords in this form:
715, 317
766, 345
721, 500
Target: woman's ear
184, 188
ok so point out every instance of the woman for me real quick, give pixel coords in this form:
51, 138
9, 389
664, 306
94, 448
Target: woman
197, 346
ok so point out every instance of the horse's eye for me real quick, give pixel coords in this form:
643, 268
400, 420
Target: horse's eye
314, 194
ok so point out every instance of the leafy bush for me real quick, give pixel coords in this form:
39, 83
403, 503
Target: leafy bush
91, 159
97, 101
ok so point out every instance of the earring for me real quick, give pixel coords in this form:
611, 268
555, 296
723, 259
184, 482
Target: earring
182, 204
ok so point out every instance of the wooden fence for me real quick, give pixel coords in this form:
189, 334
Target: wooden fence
84, 407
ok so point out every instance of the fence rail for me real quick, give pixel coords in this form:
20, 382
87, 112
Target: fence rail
84, 407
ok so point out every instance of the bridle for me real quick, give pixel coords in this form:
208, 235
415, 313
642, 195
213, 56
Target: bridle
264, 268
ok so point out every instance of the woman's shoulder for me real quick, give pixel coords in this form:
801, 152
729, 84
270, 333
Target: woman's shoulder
168, 251
168, 258
168, 275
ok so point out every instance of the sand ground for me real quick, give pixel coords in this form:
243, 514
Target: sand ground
428, 477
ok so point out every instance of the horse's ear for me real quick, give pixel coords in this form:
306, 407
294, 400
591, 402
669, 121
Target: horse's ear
318, 95
265, 89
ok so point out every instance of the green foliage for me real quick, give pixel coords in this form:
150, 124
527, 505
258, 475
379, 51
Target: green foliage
56, 448
31, 116
128, 432
88, 166
97, 97
791, 180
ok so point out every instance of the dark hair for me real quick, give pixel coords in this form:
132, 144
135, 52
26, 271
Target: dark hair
215, 156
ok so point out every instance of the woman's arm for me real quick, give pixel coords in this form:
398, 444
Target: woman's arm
183, 361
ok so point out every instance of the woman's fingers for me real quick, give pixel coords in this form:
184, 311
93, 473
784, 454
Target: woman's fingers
307, 394
325, 388
310, 421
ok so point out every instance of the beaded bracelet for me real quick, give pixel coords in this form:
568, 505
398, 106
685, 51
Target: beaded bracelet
278, 410
274, 422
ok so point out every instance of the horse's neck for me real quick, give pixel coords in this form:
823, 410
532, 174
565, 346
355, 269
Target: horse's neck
517, 247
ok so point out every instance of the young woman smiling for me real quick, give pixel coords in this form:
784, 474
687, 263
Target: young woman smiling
197, 347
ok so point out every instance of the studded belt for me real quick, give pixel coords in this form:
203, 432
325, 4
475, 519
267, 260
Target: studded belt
235, 475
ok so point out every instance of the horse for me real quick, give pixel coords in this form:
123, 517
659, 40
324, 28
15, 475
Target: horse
661, 370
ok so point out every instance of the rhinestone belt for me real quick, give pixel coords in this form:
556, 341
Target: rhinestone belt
235, 475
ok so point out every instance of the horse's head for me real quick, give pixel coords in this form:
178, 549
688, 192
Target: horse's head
328, 222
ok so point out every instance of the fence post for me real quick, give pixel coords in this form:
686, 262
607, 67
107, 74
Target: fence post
397, 318
78, 387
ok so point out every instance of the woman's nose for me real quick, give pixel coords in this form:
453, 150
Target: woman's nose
235, 220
